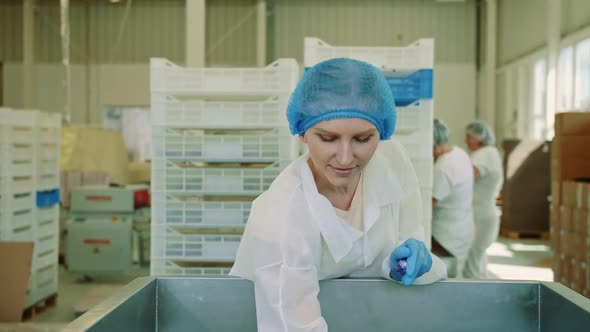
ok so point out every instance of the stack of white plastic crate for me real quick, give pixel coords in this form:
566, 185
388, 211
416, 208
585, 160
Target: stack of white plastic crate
220, 137
25, 138
44, 277
409, 71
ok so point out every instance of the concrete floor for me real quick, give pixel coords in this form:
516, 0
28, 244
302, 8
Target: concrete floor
508, 259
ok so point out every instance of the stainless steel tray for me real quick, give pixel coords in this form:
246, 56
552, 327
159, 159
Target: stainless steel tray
227, 304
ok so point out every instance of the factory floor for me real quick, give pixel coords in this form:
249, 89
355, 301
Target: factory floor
508, 259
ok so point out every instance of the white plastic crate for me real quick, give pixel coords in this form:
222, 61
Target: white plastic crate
190, 212
163, 268
43, 283
48, 182
23, 233
16, 152
16, 185
48, 214
424, 170
191, 145
173, 244
17, 168
17, 202
206, 114
276, 78
47, 243
172, 178
17, 127
417, 144
47, 228
41, 259
49, 127
48, 166
17, 221
419, 54
414, 117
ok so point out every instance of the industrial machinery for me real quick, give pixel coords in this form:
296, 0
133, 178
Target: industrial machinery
99, 231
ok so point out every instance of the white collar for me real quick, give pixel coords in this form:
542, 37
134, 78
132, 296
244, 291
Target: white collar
380, 187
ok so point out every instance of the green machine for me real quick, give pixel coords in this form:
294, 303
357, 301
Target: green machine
100, 231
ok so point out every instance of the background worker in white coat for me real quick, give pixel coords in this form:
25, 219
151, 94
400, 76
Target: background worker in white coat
487, 169
343, 209
452, 198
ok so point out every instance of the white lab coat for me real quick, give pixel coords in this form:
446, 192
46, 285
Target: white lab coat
452, 217
294, 238
486, 216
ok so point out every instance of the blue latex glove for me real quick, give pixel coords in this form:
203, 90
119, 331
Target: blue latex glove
418, 260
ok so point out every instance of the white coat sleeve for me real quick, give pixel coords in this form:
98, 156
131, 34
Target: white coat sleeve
482, 161
441, 184
411, 223
286, 286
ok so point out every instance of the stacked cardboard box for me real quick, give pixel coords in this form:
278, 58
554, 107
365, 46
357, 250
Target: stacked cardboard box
570, 201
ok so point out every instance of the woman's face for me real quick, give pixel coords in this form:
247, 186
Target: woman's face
339, 149
472, 143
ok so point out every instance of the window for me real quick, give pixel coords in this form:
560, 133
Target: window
539, 128
565, 80
582, 81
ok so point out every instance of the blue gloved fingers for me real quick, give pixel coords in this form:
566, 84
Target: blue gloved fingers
399, 253
407, 280
411, 267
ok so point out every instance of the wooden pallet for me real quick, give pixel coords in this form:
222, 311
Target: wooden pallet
39, 307
517, 235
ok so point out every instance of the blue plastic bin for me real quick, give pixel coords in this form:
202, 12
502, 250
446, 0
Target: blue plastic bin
408, 87
47, 198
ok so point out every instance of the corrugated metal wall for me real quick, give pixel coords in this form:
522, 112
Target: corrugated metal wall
575, 15
152, 28
11, 30
376, 23
521, 28
231, 33
521, 25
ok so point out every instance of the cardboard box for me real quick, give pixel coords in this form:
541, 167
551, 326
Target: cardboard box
555, 192
566, 218
580, 248
570, 169
580, 221
554, 212
573, 245
15, 260
554, 238
140, 172
572, 123
566, 147
569, 193
583, 195
563, 243
556, 264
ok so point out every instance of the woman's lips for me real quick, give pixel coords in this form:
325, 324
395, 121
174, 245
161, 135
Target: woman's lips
343, 171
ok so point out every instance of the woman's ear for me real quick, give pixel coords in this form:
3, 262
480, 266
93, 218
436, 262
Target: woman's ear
303, 138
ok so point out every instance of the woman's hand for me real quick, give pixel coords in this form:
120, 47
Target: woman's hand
418, 260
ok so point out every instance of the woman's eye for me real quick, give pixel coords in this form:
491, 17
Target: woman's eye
363, 139
326, 139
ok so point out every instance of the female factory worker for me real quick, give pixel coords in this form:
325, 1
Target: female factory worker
343, 209
452, 192
487, 169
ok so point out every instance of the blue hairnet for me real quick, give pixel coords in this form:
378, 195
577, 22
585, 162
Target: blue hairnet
342, 88
482, 132
440, 133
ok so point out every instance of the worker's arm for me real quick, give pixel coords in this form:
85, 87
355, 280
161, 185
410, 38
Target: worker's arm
476, 173
411, 225
286, 299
